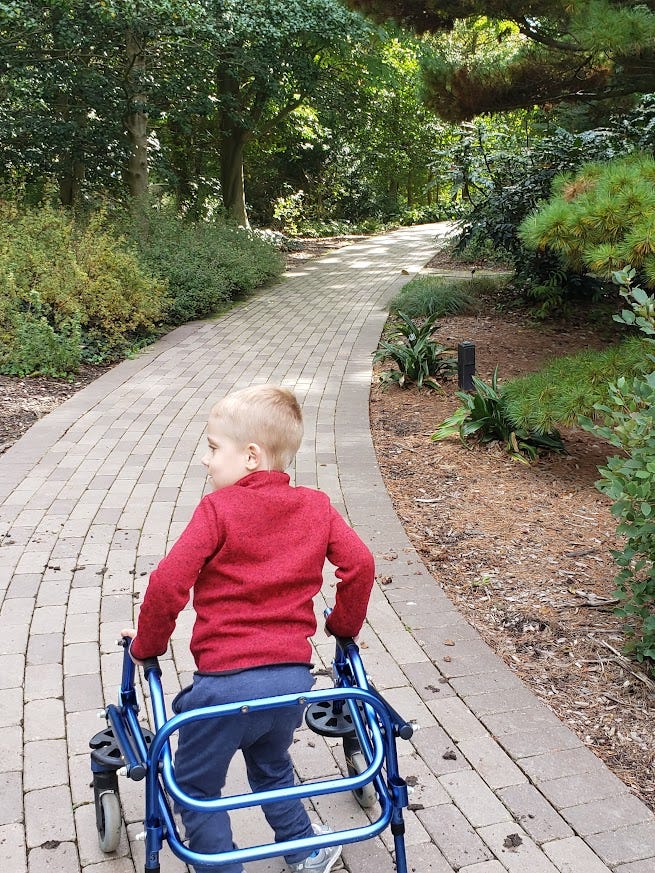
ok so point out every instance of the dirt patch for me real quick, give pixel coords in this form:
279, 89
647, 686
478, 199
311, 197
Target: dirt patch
523, 551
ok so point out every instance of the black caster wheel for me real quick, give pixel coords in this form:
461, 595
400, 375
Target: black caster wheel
330, 718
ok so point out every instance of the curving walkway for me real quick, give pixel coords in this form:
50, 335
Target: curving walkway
92, 496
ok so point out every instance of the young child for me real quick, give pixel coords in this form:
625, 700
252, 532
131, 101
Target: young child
253, 553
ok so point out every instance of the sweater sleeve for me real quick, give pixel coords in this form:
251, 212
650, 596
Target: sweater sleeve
170, 583
355, 569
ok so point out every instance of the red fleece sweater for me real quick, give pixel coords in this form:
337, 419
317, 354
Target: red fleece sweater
254, 554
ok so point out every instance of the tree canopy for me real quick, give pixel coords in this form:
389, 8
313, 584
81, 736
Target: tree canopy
528, 52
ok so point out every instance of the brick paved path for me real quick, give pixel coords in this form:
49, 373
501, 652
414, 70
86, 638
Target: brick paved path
92, 496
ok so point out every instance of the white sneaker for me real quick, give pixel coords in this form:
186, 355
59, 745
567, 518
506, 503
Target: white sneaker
321, 860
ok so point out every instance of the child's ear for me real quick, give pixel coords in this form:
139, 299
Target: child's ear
255, 457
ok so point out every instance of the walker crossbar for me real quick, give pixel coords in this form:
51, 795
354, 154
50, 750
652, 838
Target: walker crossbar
375, 725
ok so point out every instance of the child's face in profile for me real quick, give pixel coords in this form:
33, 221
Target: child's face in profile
226, 460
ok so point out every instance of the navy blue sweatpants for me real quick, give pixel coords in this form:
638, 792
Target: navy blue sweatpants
207, 746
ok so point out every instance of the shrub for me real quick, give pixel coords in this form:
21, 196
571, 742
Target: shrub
600, 219
628, 423
570, 386
418, 357
205, 265
69, 294
434, 296
483, 414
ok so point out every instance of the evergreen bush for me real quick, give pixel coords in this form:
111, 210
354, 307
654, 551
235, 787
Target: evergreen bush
571, 385
600, 219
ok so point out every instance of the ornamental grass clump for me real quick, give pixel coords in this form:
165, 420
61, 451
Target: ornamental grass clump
437, 296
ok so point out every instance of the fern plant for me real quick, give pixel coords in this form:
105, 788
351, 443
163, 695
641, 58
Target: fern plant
483, 414
418, 358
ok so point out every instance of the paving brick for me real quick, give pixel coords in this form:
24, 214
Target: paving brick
534, 813
11, 706
484, 867
61, 858
46, 764
631, 843
515, 850
438, 751
474, 798
12, 848
44, 719
568, 790
573, 855
11, 671
645, 866
87, 836
599, 815
570, 762
49, 816
11, 748
45, 648
453, 835
456, 719
11, 798
496, 768
43, 680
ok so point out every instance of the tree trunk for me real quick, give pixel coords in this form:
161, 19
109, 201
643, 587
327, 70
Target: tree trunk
70, 181
233, 143
232, 137
136, 117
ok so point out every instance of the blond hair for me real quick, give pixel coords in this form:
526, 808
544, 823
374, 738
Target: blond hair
264, 414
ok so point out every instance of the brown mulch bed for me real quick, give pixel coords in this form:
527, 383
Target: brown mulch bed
523, 551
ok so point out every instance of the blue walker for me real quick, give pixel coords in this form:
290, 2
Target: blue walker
352, 710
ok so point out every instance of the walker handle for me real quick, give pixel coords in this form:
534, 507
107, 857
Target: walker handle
342, 642
148, 664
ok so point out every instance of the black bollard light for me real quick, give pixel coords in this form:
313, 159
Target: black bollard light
465, 365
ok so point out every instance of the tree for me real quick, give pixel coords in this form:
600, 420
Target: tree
271, 58
519, 53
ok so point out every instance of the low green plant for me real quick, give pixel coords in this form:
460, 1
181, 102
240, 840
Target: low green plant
628, 424
418, 358
69, 293
483, 415
571, 385
437, 296
205, 264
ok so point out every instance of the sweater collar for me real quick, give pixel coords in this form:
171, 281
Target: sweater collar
262, 478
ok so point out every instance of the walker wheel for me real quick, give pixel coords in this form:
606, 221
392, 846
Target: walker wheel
109, 818
328, 720
366, 796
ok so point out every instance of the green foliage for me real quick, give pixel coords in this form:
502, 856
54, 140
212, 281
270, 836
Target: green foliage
205, 264
439, 296
599, 219
419, 358
69, 293
571, 385
484, 415
628, 423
